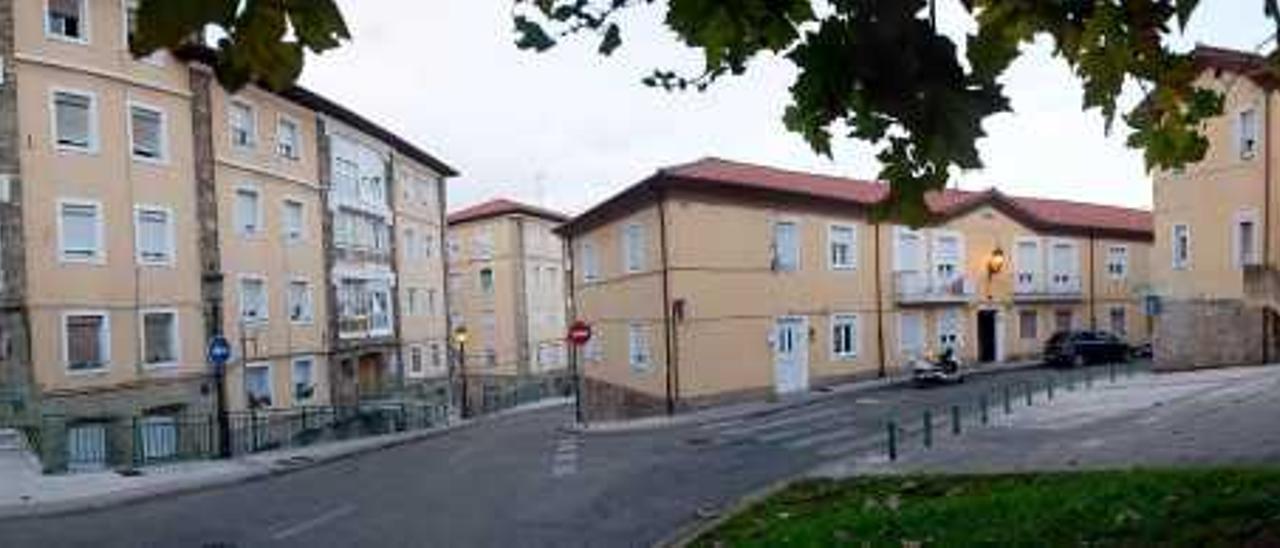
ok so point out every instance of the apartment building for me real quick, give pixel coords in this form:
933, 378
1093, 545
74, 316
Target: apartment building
506, 268
716, 280
1216, 248
420, 215
102, 309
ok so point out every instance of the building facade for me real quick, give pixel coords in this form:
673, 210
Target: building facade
1216, 248
718, 280
506, 268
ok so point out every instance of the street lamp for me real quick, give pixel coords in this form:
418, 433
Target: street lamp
996, 262
460, 337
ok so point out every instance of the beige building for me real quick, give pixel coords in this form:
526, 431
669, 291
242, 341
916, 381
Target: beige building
506, 269
420, 218
1216, 247
718, 280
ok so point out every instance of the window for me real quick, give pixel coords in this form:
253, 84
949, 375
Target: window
80, 227
288, 140
1028, 325
413, 304
346, 179
431, 301
87, 341
1063, 266
154, 235
843, 250
844, 336
594, 349
437, 360
911, 332
949, 329
294, 221
253, 299
1247, 133
257, 385
1118, 262
411, 248
633, 252
428, 246
638, 345
304, 384
786, 246
1119, 325
482, 244
415, 360
486, 281
243, 126
147, 132
248, 211
590, 262
1026, 264
1181, 246
947, 256
68, 19
1244, 240
159, 338
380, 307
74, 123
300, 306
1062, 319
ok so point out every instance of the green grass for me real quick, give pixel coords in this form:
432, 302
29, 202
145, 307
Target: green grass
1204, 507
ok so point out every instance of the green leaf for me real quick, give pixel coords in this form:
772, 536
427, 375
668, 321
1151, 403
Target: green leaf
529, 35
612, 39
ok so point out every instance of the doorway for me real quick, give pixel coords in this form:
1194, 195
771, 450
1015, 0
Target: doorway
987, 336
369, 370
791, 355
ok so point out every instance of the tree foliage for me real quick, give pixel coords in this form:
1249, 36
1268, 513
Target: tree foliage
878, 69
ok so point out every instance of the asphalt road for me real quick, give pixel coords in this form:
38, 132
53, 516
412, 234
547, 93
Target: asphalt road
523, 480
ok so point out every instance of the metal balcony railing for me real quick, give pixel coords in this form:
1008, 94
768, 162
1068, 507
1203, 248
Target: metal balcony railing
1047, 288
920, 288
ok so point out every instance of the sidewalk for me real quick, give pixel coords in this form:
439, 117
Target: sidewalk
760, 408
25, 491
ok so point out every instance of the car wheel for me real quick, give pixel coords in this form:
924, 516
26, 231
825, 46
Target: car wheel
1078, 360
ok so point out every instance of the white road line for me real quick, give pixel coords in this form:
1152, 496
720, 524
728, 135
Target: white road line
312, 523
802, 443
781, 421
561, 471
798, 431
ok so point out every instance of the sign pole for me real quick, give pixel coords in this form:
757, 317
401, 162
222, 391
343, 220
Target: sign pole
579, 334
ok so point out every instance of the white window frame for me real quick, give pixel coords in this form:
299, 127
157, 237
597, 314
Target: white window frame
776, 259
281, 120
290, 237
266, 299
1035, 324
1247, 153
918, 319
838, 321
1124, 315
163, 157
590, 262
259, 222
633, 236
417, 351
94, 141
271, 382
1176, 262
1238, 258
293, 379
1028, 277
104, 345
638, 338
175, 337
942, 320
1118, 256
100, 253
309, 302
253, 123
852, 263
85, 18
170, 235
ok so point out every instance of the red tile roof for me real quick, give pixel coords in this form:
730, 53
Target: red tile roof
501, 206
1040, 213
1255, 67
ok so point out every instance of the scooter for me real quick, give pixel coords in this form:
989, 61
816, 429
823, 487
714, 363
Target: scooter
935, 370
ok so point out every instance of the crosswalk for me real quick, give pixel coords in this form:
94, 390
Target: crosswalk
564, 461
825, 430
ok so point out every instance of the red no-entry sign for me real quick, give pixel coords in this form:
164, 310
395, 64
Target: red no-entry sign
579, 333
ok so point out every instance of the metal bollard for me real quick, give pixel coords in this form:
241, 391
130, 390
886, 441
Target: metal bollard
1049, 385
1030, 388
1008, 400
1111, 372
1088, 378
982, 403
1071, 382
893, 440
928, 429
955, 420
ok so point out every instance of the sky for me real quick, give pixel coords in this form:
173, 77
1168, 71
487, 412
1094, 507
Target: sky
568, 128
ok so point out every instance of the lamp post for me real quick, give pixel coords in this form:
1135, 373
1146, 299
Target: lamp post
995, 265
460, 337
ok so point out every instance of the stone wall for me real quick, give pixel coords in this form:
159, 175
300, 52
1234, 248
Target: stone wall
1203, 333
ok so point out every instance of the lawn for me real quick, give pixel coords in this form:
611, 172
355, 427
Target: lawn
1204, 507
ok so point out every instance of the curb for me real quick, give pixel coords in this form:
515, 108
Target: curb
761, 409
255, 467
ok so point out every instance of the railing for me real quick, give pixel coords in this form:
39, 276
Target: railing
919, 288
1057, 287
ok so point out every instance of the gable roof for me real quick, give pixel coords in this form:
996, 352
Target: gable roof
1251, 65
502, 206
1042, 214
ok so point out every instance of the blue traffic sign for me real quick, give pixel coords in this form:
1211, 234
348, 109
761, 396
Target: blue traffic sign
219, 351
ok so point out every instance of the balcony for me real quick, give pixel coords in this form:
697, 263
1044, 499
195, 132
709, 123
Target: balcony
1057, 288
919, 288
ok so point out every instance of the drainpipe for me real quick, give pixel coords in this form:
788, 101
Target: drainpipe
1093, 293
571, 313
1266, 216
879, 305
673, 377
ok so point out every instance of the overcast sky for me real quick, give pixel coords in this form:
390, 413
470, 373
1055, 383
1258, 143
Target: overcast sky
568, 128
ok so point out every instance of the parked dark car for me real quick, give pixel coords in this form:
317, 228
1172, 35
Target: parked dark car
1084, 347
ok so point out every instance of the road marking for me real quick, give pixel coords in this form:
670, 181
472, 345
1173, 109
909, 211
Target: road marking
564, 460
313, 522
796, 432
781, 421
802, 443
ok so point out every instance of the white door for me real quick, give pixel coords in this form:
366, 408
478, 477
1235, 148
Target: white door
791, 355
